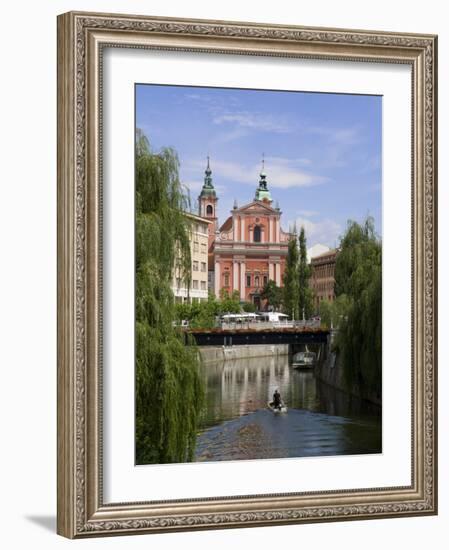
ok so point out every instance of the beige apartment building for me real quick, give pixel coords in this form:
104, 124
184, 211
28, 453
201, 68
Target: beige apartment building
198, 291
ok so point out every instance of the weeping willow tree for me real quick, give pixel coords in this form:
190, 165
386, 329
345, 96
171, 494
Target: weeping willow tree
169, 391
358, 281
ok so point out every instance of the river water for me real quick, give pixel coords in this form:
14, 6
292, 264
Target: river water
320, 421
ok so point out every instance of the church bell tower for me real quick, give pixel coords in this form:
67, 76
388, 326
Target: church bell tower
207, 203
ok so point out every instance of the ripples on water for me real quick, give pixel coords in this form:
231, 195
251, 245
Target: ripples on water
321, 421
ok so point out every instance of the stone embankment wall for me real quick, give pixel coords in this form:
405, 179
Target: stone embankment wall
330, 370
213, 354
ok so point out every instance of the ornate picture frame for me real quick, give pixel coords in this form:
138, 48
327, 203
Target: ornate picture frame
82, 39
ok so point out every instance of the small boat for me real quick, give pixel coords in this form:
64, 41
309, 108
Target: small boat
282, 409
304, 360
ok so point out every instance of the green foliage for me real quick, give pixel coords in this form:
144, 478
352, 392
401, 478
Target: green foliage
333, 313
304, 273
291, 280
229, 303
169, 391
248, 307
326, 313
358, 284
199, 314
272, 294
204, 314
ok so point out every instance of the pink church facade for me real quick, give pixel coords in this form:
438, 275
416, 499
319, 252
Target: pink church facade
249, 248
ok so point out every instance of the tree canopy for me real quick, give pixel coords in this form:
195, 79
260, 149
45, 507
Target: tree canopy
272, 294
305, 294
358, 283
291, 279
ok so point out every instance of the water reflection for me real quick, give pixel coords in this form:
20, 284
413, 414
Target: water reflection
320, 420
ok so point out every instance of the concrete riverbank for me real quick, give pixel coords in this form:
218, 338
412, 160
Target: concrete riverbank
214, 354
330, 371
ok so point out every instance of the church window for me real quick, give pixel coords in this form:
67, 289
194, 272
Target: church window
248, 280
257, 234
265, 279
209, 210
226, 279
256, 281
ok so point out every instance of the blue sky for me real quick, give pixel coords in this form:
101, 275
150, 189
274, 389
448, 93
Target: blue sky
322, 151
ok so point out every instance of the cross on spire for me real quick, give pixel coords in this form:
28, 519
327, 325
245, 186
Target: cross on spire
262, 192
208, 186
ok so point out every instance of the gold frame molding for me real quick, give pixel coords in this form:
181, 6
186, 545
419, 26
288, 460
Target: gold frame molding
81, 39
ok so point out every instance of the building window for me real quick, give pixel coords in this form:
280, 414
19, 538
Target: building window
257, 234
248, 280
256, 281
178, 282
203, 266
195, 266
203, 248
196, 246
203, 285
226, 279
195, 284
209, 210
265, 279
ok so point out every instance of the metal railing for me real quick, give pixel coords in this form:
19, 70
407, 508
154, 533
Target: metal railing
263, 325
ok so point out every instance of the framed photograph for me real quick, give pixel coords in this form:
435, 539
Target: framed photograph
247, 274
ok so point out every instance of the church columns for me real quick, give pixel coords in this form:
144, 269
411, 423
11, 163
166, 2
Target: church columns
236, 228
278, 232
242, 280
271, 271
270, 230
242, 227
235, 275
217, 278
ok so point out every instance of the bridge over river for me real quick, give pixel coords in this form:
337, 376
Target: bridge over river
257, 336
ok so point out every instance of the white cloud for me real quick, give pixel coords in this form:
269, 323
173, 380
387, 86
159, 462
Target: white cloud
340, 136
195, 186
282, 173
254, 121
325, 231
289, 161
307, 213
231, 135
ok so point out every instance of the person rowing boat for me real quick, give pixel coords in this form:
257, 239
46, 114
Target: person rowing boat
277, 401
277, 405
